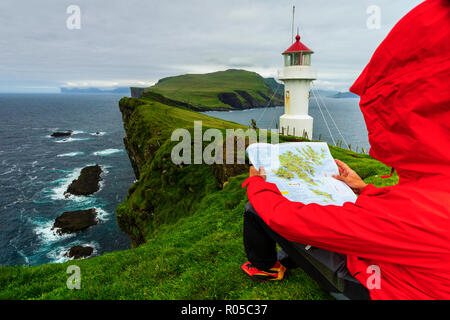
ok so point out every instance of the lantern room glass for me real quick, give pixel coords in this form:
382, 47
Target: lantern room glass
297, 59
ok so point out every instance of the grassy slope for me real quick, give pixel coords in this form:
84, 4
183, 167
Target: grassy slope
164, 191
193, 255
201, 90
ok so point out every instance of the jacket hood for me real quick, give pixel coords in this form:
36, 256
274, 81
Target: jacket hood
405, 93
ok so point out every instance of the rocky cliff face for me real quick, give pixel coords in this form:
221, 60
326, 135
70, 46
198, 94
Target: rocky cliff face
233, 100
237, 100
164, 191
136, 92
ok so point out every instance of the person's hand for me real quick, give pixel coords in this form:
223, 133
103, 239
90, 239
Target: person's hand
349, 177
261, 173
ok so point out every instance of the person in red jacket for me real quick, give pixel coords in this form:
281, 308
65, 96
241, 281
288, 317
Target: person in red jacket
393, 242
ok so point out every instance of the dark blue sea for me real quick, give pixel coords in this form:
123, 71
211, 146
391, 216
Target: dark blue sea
340, 120
36, 169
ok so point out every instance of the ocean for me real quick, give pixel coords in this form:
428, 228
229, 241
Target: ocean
343, 120
36, 169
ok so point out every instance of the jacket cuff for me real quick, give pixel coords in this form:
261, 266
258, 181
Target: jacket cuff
367, 189
250, 179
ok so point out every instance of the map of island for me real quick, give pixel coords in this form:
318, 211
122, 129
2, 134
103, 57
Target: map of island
303, 164
302, 171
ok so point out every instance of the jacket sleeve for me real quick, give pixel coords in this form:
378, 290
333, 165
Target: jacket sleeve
346, 229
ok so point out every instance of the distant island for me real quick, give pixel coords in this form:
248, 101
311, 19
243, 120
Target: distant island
121, 90
223, 90
344, 95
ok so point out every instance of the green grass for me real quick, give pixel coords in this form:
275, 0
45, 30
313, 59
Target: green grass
201, 90
192, 228
164, 191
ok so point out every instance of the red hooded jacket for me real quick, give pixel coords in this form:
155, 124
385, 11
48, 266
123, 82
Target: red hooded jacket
402, 229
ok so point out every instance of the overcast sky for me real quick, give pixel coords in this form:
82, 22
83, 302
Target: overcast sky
137, 42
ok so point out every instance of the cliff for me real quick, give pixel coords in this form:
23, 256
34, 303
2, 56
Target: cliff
136, 92
164, 192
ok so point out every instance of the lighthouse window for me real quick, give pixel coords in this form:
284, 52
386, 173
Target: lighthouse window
297, 60
306, 60
287, 60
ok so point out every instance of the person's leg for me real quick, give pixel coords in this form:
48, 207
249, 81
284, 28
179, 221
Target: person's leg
259, 246
328, 268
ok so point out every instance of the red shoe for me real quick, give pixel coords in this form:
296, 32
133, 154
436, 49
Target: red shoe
273, 274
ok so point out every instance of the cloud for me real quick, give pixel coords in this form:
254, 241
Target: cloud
141, 41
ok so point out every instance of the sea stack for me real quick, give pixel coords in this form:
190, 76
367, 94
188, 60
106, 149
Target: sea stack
75, 221
58, 134
78, 252
87, 183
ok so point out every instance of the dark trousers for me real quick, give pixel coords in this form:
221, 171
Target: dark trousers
328, 268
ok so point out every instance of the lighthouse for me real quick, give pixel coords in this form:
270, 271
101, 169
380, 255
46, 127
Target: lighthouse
297, 76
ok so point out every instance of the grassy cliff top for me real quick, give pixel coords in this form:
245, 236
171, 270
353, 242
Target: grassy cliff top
204, 90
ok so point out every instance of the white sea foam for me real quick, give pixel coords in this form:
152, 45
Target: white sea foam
58, 255
100, 133
107, 152
47, 235
23, 255
62, 185
10, 170
77, 132
102, 215
71, 154
71, 140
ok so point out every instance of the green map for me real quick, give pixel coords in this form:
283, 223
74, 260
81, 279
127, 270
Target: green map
303, 164
302, 171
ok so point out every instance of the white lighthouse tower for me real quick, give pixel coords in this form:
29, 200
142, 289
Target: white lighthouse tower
297, 76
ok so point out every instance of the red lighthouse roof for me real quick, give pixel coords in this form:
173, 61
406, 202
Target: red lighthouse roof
297, 46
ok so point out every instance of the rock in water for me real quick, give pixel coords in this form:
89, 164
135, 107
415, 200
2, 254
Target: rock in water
87, 183
57, 134
78, 252
75, 221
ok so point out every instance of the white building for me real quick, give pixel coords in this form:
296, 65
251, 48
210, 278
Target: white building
297, 76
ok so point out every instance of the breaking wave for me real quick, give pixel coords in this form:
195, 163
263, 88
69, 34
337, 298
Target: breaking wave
71, 154
71, 140
106, 152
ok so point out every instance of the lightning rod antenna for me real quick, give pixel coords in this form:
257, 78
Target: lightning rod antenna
293, 18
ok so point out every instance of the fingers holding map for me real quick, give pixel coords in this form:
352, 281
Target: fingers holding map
302, 171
